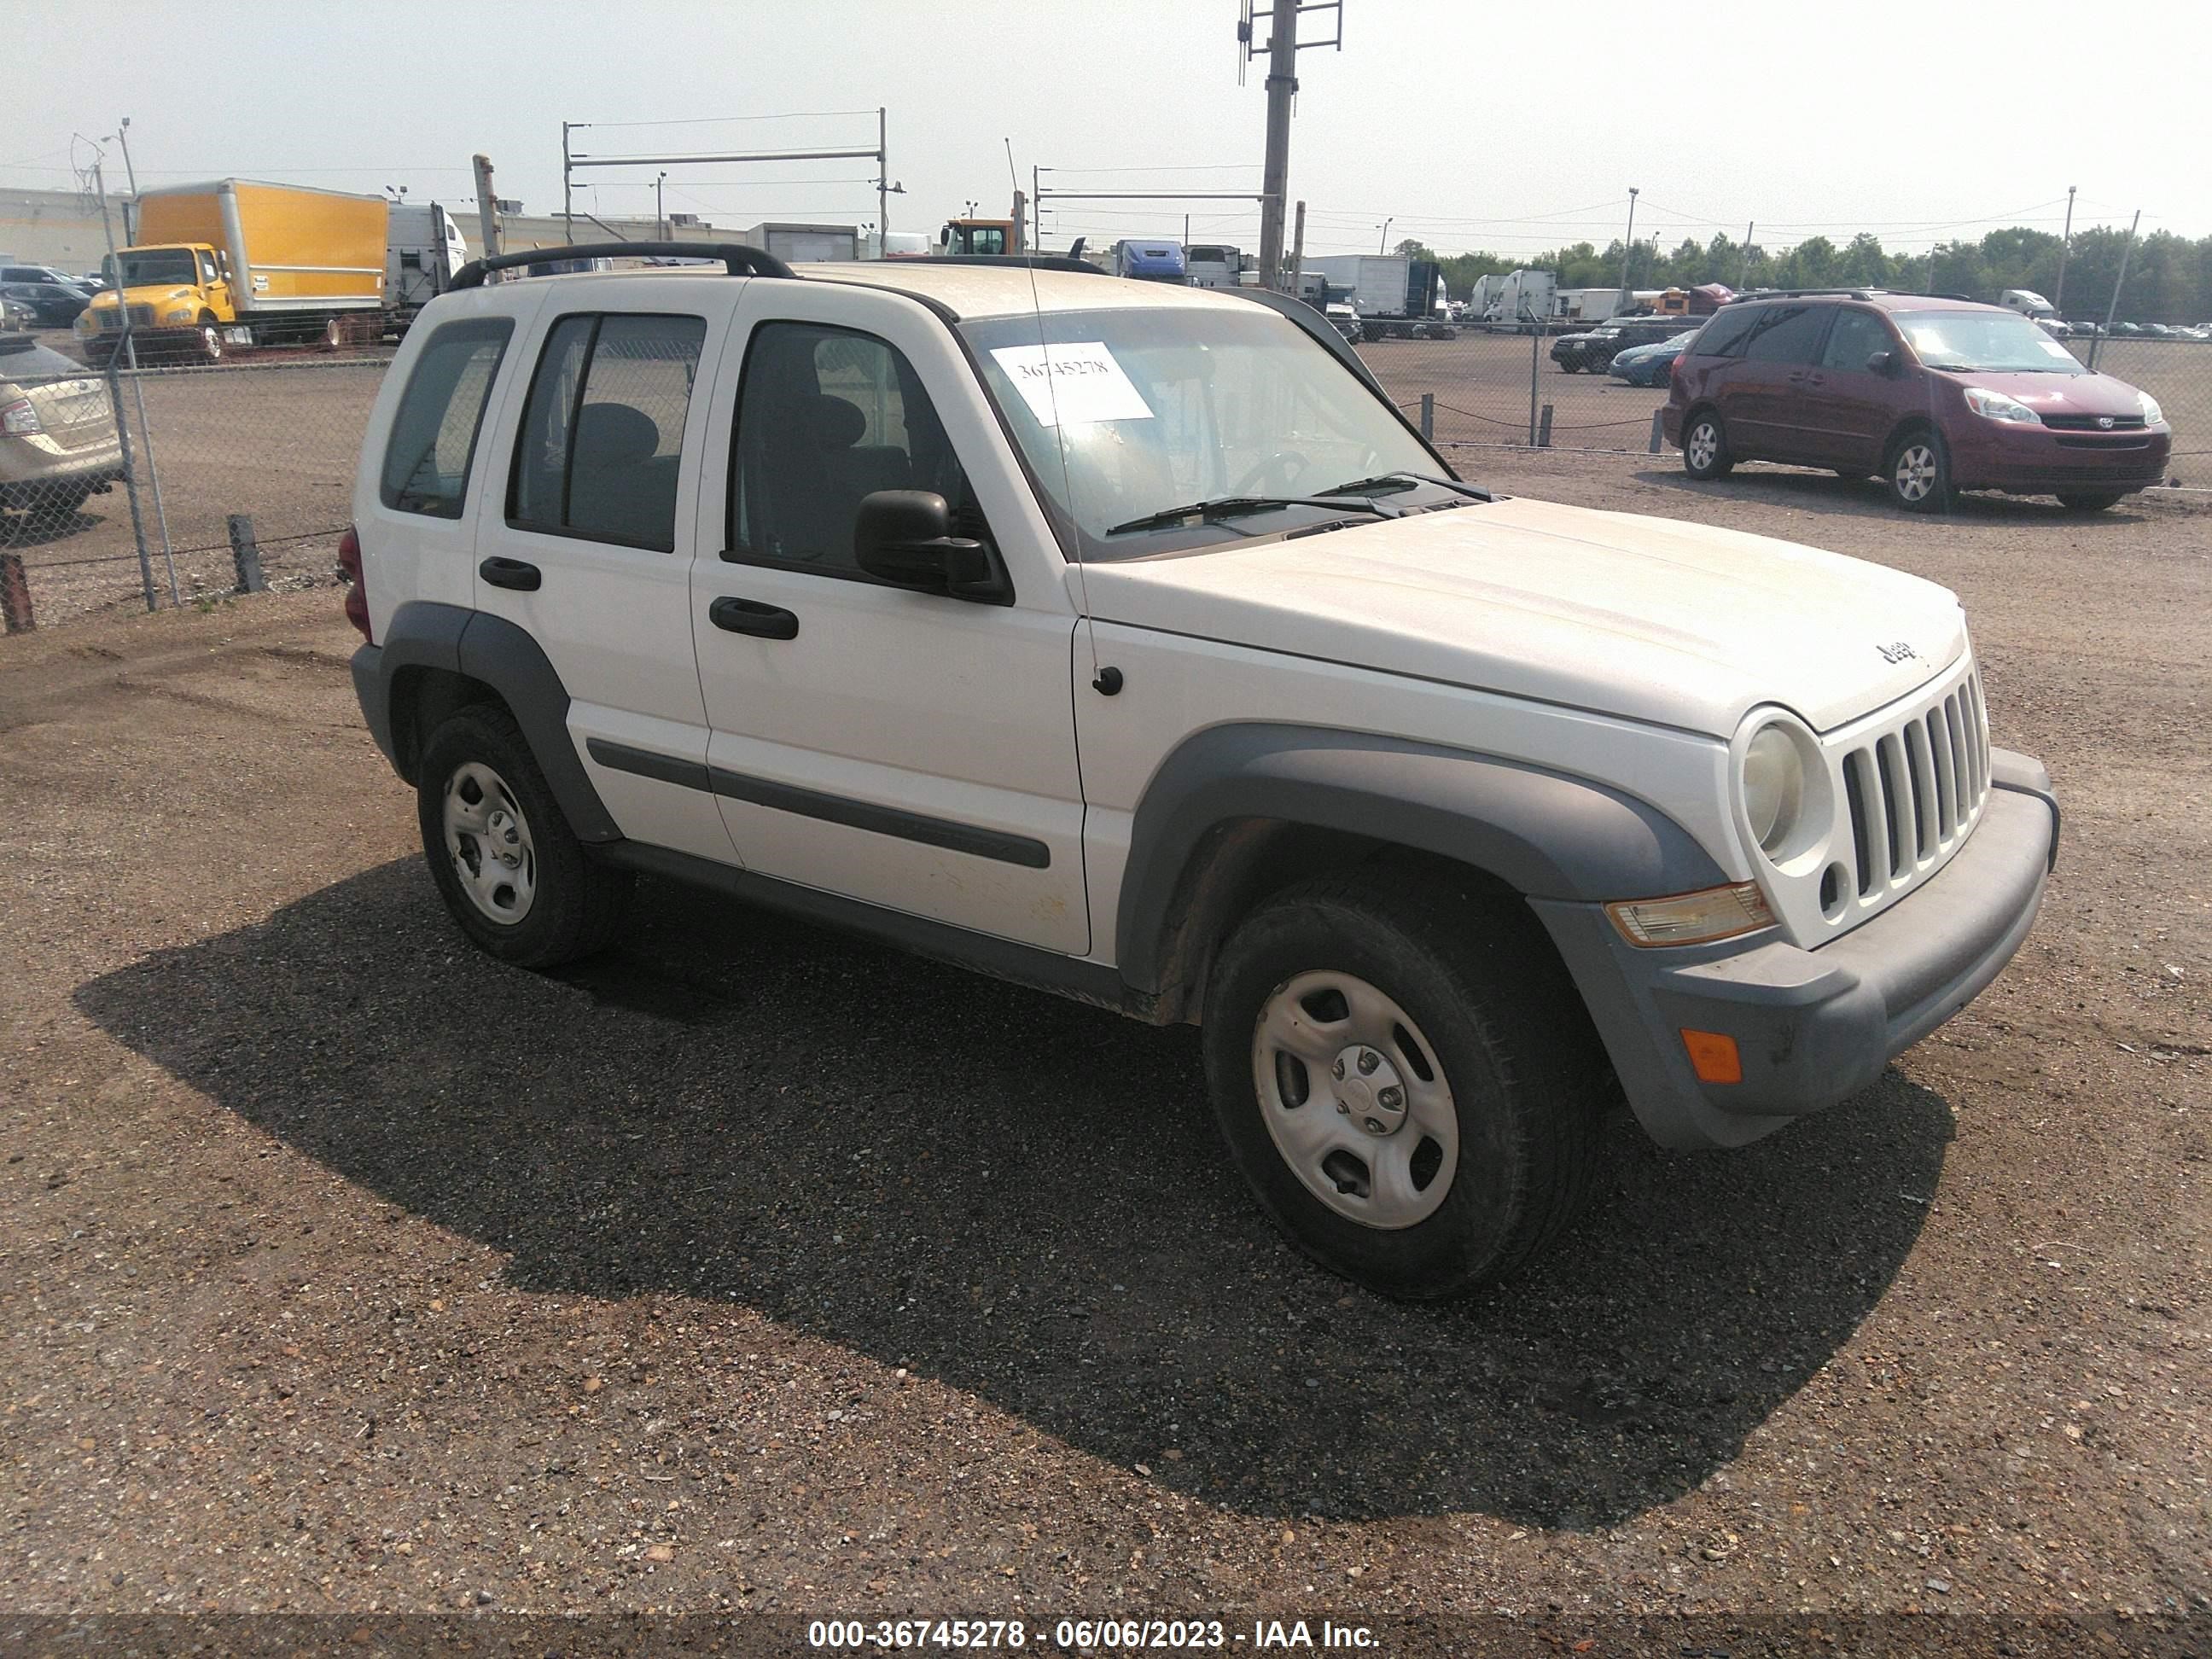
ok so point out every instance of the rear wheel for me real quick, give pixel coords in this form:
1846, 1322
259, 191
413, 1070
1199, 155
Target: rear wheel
1405, 1078
1704, 447
509, 869
1919, 472
2088, 501
1566, 368
333, 334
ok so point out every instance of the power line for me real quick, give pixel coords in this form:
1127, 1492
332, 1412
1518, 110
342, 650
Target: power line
718, 120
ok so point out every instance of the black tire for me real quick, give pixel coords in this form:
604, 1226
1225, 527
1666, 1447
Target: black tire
1526, 1076
576, 903
2094, 501
1704, 447
1916, 471
209, 332
1566, 368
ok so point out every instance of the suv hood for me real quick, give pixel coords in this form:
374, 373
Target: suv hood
1650, 619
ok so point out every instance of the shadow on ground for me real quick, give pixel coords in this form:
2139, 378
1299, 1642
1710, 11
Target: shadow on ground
1824, 492
1023, 1197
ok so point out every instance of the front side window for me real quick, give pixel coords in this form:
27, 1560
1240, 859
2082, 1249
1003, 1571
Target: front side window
433, 434
827, 417
1122, 415
1789, 335
1856, 337
602, 440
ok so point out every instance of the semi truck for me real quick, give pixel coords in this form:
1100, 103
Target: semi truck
241, 262
1149, 261
423, 248
1524, 301
1212, 265
1397, 298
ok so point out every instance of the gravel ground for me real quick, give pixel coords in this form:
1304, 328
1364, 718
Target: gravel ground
755, 1269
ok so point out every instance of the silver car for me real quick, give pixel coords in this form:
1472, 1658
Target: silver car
58, 437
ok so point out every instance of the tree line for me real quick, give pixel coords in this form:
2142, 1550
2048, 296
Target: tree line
2169, 277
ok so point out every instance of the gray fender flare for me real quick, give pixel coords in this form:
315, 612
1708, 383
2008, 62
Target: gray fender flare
494, 652
1545, 834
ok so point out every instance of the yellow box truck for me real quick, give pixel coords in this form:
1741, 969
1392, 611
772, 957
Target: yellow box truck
241, 262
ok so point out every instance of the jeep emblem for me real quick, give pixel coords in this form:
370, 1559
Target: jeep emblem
1897, 653
2104, 423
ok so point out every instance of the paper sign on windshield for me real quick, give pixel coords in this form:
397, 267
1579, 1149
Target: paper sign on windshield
1072, 383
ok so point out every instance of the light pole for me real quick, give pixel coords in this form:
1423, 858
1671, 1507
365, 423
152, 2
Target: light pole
2065, 246
1628, 242
123, 137
1384, 246
659, 217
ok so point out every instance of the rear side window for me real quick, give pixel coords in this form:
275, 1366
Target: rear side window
1789, 335
602, 438
1724, 335
433, 435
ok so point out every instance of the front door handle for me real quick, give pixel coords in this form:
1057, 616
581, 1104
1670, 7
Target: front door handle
766, 622
511, 573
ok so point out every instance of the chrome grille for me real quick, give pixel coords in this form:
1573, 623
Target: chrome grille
1914, 791
111, 318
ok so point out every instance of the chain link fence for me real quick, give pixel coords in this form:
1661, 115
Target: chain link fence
167, 485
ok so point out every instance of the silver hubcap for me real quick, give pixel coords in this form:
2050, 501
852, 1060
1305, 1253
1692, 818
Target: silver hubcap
1704, 444
488, 840
1355, 1099
1916, 472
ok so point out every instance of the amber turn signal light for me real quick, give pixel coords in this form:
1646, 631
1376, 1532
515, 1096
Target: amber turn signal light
1713, 1056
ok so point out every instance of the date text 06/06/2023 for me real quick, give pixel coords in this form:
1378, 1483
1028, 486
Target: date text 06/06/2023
1088, 1634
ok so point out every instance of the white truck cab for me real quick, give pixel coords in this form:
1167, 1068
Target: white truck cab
1120, 637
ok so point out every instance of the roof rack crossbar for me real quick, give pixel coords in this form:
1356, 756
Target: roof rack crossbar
737, 259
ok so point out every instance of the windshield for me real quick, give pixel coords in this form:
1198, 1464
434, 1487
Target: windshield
2001, 341
1167, 405
152, 267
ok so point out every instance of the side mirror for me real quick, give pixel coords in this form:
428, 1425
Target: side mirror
903, 537
1882, 362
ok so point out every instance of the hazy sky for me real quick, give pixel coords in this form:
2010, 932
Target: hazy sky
1510, 127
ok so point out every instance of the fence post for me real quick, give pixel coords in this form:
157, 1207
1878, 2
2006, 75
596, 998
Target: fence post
1536, 351
1658, 426
15, 595
1544, 429
1429, 415
246, 556
130, 472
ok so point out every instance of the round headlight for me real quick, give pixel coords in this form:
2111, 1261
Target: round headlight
1773, 786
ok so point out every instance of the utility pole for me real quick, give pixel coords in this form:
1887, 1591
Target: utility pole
1298, 252
1383, 244
486, 206
2065, 246
567, 202
1628, 243
1743, 265
1282, 17
659, 214
123, 137
883, 175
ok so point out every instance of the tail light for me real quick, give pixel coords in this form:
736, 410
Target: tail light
356, 598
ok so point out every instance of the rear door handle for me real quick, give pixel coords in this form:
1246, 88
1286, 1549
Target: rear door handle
511, 573
765, 622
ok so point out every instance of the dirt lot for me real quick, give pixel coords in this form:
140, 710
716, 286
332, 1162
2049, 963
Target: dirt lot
754, 1268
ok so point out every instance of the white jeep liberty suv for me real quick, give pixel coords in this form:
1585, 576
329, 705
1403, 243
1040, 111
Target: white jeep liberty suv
1122, 639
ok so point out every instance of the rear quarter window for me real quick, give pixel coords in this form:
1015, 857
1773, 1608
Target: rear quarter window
433, 445
1724, 336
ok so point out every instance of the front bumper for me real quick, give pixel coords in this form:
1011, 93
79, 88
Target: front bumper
1813, 1027
2034, 460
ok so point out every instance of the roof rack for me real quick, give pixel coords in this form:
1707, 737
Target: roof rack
1017, 261
738, 259
1804, 293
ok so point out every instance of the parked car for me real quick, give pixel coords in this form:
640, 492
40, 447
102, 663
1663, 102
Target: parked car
1593, 348
1934, 396
16, 315
1650, 365
1345, 321
1444, 827
54, 304
2056, 329
58, 437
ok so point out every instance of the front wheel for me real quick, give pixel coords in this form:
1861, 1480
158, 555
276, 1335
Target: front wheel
1405, 1078
1704, 447
2088, 501
209, 341
512, 873
1919, 473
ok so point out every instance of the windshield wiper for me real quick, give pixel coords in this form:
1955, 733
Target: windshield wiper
1230, 507
1405, 480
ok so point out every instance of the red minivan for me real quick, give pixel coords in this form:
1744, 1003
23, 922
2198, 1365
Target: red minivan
1932, 395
